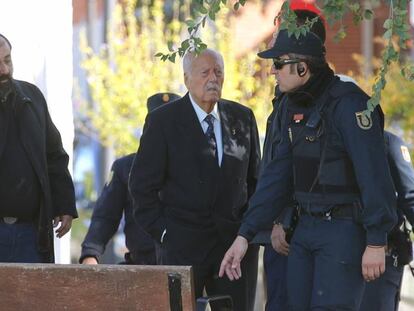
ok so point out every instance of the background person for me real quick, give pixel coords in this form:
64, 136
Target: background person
37, 191
114, 203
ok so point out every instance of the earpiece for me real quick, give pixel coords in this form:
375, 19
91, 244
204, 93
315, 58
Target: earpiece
301, 70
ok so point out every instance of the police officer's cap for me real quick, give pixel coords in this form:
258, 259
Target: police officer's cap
308, 44
159, 99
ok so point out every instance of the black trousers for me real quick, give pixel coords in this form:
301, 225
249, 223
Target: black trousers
206, 277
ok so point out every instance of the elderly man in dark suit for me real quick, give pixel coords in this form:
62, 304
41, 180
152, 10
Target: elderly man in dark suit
201, 153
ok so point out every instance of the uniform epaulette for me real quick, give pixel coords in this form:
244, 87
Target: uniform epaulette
341, 88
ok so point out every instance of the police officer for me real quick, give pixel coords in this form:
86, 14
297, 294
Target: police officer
275, 264
331, 159
383, 294
113, 203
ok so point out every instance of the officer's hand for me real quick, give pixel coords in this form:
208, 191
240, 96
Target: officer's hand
231, 261
373, 263
278, 238
65, 225
89, 261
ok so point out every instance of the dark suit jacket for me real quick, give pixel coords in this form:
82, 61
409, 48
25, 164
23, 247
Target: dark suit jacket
201, 204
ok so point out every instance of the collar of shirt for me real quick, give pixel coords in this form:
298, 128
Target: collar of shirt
201, 114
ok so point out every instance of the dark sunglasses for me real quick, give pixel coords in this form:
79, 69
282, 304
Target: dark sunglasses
279, 63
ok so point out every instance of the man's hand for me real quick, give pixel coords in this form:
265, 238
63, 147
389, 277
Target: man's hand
373, 263
231, 261
89, 261
278, 238
65, 225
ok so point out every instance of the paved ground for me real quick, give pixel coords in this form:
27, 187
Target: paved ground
407, 294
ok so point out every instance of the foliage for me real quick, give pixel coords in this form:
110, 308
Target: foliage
125, 72
242, 80
122, 75
396, 26
334, 11
397, 98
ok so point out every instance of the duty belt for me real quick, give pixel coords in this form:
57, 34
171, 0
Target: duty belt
339, 211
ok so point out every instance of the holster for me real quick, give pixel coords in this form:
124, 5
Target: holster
290, 221
400, 244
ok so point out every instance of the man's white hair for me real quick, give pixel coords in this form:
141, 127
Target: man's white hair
189, 57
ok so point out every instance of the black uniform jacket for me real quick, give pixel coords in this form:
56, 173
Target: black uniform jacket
201, 204
402, 173
43, 145
114, 202
364, 147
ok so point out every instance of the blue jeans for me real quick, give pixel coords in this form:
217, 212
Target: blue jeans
18, 243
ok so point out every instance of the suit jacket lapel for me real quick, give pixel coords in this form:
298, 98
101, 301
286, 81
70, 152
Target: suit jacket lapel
228, 130
190, 127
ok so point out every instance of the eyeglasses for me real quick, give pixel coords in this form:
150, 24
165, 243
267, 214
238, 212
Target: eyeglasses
279, 63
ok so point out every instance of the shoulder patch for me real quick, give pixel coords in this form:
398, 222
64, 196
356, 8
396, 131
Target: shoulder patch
405, 153
363, 120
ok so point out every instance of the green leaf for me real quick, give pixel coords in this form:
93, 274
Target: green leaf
388, 34
202, 10
185, 44
285, 5
236, 6
171, 58
388, 24
303, 31
159, 54
283, 25
398, 11
181, 52
242, 2
368, 14
357, 18
190, 23
354, 7
170, 46
212, 15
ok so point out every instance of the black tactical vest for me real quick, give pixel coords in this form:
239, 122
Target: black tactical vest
323, 173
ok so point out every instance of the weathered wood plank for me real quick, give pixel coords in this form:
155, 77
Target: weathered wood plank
44, 287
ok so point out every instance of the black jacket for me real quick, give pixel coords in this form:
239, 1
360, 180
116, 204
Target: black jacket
114, 202
43, 145
402, 175
364, 147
